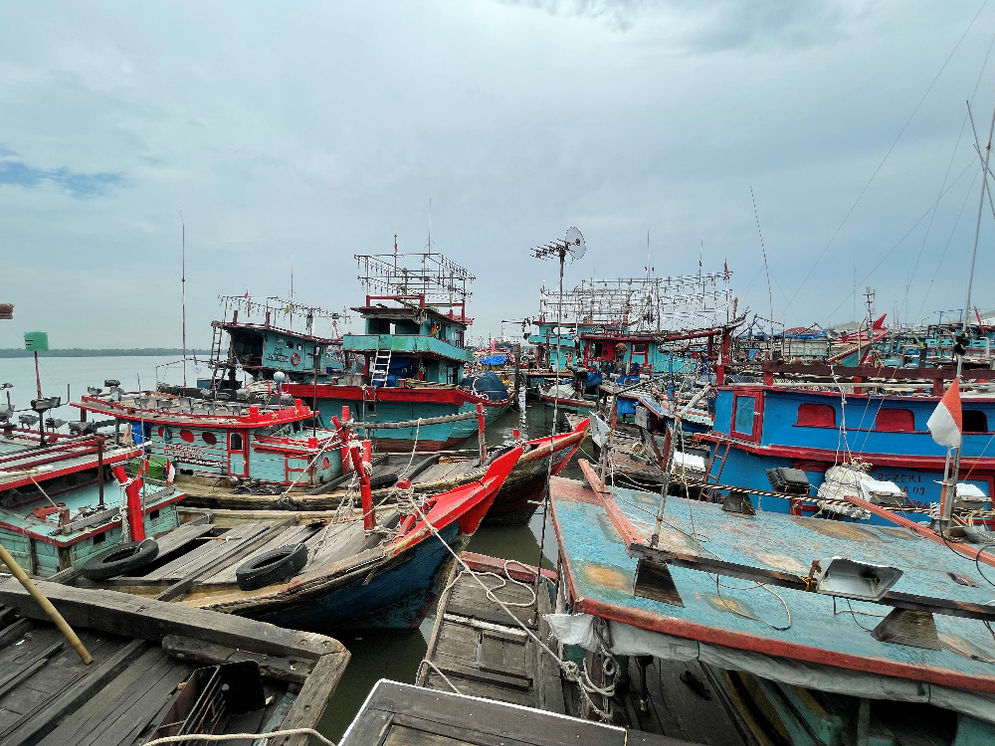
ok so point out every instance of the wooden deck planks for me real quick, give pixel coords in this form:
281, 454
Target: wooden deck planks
211, 550
184, 533
292, 535
483, 651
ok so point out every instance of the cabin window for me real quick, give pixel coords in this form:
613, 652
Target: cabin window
99, 538
895, 421
745, 407
153, 515
975, 421
209, 438
290, 344
816, 415
186, 435
235, 442
638, 348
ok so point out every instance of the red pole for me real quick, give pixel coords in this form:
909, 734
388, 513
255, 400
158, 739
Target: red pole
480, 433
366, 494
135, 518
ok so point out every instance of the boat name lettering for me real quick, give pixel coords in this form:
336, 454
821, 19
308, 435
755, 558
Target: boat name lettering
188, 455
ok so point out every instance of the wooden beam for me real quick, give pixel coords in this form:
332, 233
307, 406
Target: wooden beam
134, 616
913, 602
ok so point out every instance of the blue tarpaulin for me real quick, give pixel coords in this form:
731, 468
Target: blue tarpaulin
494, 360
487, 384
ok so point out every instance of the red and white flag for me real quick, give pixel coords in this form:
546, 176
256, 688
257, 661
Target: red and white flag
946, 422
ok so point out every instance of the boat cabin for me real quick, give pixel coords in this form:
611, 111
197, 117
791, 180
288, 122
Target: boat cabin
60, 503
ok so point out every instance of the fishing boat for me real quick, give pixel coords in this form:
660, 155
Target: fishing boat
66, 499
270, 345
411, 390
153, 670
318, 571
816, 417
805, 629
237, 440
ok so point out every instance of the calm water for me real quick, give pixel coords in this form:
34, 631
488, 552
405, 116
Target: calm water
394, 655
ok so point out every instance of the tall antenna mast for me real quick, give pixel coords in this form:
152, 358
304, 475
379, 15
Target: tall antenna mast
183, 292
429, 223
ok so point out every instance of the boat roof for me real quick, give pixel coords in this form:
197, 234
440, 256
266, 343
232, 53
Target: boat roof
403, 713
159, 408
410, 312
237, 326
602, 534
23, 460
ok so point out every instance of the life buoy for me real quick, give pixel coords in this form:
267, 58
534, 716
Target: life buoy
295, 359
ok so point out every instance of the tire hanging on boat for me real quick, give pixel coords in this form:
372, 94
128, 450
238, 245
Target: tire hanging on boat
271, 567
120, 559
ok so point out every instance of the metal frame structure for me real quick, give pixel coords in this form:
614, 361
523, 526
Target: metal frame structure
651, 304
428, 277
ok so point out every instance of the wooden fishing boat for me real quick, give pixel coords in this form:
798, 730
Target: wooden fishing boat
396, 713
838, 628
814, 417
410, 386
237, 440
320, 572
428, 473
60, 505
158, 669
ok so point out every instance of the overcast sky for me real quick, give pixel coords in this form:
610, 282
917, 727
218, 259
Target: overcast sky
303, 133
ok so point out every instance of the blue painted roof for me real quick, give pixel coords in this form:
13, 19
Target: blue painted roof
600, 569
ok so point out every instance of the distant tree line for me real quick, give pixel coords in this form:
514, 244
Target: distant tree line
84, 352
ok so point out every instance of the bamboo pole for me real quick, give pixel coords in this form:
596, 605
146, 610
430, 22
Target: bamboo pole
45, 605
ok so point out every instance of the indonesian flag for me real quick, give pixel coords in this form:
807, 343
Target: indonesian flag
946, 422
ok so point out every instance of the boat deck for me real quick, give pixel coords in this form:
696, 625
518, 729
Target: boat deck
144, 653
478, 649
483, 652
210, 554
396, 713
707, 607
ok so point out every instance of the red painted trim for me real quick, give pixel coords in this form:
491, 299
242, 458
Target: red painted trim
922, 530
511, 568
45, 476
621, 522
414, 395
256, 418
796, 651
920, 463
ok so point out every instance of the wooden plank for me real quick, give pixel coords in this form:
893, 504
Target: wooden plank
465, 720
40, 723
87, 724
313, 697
910, 601
182, 534
283, 668
134, 616
27, 669
211, 550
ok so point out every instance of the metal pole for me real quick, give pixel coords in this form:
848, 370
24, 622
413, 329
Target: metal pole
46, 605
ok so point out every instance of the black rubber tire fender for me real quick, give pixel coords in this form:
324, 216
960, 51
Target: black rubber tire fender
120, 559
383, 479
271, 567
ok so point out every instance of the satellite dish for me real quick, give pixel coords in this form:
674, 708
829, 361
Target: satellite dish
575, 243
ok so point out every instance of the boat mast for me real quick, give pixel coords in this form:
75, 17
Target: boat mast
183, 293
948, 494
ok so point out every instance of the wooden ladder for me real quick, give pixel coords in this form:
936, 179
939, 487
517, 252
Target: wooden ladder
380, 368
708, 493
